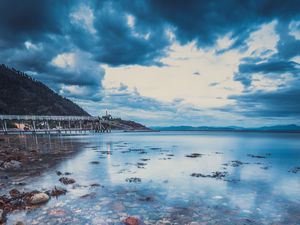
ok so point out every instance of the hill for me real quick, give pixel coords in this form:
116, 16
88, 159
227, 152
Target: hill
20, 94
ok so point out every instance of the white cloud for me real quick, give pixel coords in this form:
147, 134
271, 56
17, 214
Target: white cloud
270, 83
30, 46
294, 28
84, 17
263, 42
64, 60
130, 21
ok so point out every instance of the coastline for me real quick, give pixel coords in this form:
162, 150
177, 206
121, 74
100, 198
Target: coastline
237, 131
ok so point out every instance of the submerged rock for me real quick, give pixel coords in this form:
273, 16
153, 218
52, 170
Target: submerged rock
66, 180
14, 193
39, 198
295, 169
236, 163
256, 156
12, 165
2, 216
147, 199
19, 223
58, 173
90, 195
217, 175
194, 155
144, 159
133, 180
57, 191
131, 221
95, 185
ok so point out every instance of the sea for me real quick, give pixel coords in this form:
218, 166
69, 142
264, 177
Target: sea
170, 177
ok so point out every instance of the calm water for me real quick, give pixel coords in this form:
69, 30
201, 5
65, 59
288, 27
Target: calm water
162, 191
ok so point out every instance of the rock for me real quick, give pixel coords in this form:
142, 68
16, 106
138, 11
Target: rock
14, 193
39, 198
131, 221
194, 155
147, 199
133, 180
18, 183
90, 195
19, 223
295, 169
12, 165
217, 175
57, 191
256, 156
58, 173
2, 216
66, 180
95, 185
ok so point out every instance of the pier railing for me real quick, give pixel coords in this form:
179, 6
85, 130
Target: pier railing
51, 124
48, 118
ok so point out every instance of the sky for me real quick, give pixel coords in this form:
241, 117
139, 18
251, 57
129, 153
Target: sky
161, 63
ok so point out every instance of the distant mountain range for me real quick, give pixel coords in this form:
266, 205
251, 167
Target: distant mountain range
277, 128
22, 95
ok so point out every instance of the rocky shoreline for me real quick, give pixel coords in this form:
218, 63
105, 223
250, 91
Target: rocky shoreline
14, 156
18, 164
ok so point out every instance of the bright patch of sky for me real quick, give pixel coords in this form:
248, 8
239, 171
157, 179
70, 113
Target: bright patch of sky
200, 78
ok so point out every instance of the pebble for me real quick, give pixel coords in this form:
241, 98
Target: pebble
39, 198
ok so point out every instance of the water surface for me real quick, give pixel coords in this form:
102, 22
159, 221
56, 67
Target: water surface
148, 175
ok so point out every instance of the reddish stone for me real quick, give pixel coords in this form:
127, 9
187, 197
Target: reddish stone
131, 221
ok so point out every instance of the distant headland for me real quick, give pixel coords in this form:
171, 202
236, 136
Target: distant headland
277, 128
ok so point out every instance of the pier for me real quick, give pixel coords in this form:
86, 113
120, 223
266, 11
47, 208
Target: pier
34, 124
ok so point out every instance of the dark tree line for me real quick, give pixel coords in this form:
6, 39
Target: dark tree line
20, 94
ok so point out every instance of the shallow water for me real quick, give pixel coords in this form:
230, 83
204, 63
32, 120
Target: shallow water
253, 191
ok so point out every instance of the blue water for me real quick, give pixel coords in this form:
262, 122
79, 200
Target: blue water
258, 190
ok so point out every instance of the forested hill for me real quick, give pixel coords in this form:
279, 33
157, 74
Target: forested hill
22, 95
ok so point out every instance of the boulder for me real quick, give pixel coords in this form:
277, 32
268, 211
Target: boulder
39, 198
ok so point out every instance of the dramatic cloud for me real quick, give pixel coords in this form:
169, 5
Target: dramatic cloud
184, 59
281, 103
